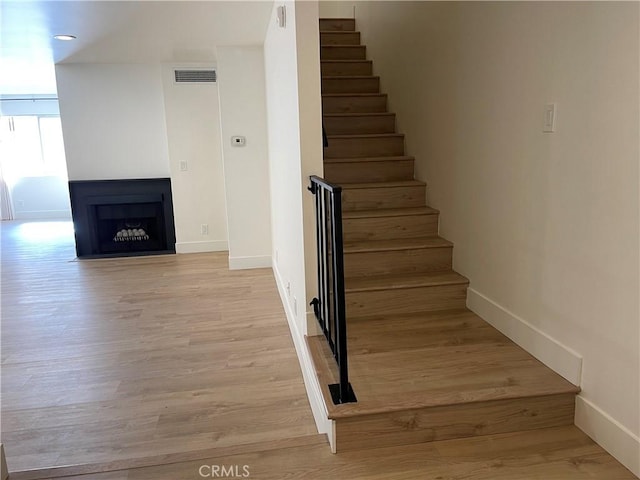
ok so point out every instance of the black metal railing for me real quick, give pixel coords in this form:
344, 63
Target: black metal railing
329, 306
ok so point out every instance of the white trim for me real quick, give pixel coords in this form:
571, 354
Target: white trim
545, 348
615, 438
42, 215
311, 383
244, 263
200, 247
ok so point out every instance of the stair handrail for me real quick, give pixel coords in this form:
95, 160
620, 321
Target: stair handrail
329, 307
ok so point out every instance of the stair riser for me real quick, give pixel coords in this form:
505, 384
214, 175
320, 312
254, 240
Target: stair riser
387, 228
397, 262
365, 147
406, 300
351, 85
340, 38
453, 421
352, 52
360, 125
362, 67
393, 197
348, 104
354, 172
337, 24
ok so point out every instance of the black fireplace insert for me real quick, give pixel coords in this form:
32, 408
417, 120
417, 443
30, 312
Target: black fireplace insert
117, 218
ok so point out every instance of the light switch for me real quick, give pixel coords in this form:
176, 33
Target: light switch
549, 118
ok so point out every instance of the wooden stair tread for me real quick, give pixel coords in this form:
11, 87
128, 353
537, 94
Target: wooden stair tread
389, 212
368, 159
363, 94
338, 31
346, 60
400, 183
396, 244
363, 114
406, 280
366, 135
348, 77
420, 360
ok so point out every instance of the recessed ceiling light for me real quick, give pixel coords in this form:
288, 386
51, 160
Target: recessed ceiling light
64, 37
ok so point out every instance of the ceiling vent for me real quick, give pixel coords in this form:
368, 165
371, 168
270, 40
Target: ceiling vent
195, 76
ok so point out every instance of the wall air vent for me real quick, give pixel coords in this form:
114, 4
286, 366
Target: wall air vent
195, 76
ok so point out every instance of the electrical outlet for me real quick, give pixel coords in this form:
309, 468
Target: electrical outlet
204, 229
184, 166
550, 113
295, 306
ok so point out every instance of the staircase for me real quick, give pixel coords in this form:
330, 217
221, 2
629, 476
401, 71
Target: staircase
423, 367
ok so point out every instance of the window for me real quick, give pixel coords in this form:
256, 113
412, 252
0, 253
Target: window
31, 146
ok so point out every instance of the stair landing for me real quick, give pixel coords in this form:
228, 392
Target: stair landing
434, 376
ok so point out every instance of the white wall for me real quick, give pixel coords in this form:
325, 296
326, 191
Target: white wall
336, 9
295, 151
37, 198
246, 169
193, 132
545, 225
113, 121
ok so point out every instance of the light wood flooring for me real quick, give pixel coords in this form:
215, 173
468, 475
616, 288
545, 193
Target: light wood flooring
149, 368
115, 361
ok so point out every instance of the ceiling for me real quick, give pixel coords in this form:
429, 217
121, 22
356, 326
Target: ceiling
117, 32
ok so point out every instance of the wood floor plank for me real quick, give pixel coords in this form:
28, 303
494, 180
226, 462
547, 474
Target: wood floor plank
106, 361
561, 453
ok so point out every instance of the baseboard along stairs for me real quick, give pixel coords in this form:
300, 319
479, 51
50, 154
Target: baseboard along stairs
423, 367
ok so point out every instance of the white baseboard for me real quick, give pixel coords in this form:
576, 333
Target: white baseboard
320, 414
244, 263
560, 358
608, 433
201, 247
44, 215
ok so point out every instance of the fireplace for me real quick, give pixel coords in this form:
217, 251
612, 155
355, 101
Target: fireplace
117, 218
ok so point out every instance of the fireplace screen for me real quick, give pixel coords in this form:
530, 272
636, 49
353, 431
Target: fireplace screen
130, 227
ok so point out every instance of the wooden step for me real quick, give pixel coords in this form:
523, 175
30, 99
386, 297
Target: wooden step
354, 103
359, 123
368, 196
397, 256
343, 52
385, 224
339, 38
405, 293
381, 169
358, 146
355, 84
346, 67
337, 24
429, 376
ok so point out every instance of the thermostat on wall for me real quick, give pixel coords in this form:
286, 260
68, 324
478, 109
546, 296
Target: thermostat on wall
238, 141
